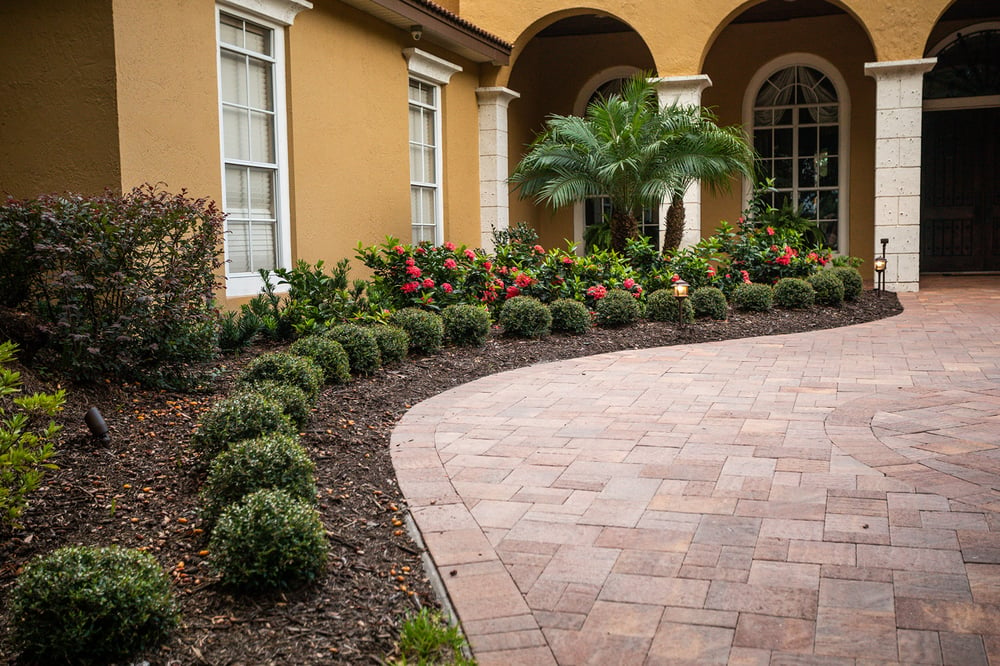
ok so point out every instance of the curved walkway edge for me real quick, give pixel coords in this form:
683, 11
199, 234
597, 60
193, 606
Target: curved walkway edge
830, 497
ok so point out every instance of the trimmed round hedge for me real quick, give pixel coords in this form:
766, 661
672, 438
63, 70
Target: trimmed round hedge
426, 330
393, 343
709, 302
361, 346
617, 308
525, 317
284, 368
268, 540
829, 288
661, 305
82, 604
238, 417
794, 293
294, 403
328, 354
570, 316
753, 297
854, 284
466, 324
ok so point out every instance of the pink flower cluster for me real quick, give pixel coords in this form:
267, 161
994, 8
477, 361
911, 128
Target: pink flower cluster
597, 292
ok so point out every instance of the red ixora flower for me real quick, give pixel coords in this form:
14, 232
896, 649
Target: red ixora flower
449, 246
524, 280
597, 292
410, 261
770, 231
421, 250
413, 271
567, 260
399, 249
638, 292
410, 287
447, 288
488, 297
512, 291
711, 272
675, 277
450, 263
428, 283
470, 255
746, 276
628, 283
488, 265
539, 249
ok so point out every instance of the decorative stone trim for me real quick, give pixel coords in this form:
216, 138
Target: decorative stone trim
430, 67
282, 12
494, 194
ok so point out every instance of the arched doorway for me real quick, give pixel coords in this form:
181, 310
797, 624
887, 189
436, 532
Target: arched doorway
960, 176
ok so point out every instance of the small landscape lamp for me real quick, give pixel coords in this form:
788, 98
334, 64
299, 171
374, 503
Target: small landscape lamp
94, 421
680, 293
880, 264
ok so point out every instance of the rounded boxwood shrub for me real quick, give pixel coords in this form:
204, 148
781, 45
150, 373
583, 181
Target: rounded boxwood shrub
570, 316
753, 297
426, 330
709, 302
851, 279
276, 462
328, 354
617, 308
525, 317
829, 288
361, 347
661, 305
794, 293
393, 343
466, 324
268, 540
284, 368
294, 402
82, 604
238, 417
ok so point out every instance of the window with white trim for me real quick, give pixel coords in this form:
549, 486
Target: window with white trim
425, 156
252, 117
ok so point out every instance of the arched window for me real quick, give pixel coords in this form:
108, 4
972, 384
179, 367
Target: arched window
797, 133
968, 65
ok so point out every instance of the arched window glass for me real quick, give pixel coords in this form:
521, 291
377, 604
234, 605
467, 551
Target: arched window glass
967, 67
796, 132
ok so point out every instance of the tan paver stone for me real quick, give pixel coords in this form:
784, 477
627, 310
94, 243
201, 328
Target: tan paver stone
956, 616
581, 647
663, 591
623, 619
785, 574
984, 581
783, 602
683, 644
963, 649
919, 647
774, 633
923, 585
850, 632
536, 656
861, 595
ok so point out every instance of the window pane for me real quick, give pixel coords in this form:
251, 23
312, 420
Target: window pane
828, 204
231, 30
262, 137
235, 130
783, 173
262, 194
783, 116
429, 135
828, 172
428, 206
415, 124
233, 77
762, 117
783, 143
762, 142
237, 197
421, 93
416, 164
258, 39
807, 204
238, 247
807, 172
807, 141
828, 140
262, 244
430, 167
260, 85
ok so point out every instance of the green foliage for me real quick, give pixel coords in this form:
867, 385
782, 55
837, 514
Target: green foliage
328, 354
525, 317
276, 462
393, 342
361, 346
268, 540
846, 260
27, 432
426, 329
121, 282
617, 308
662, 305
570, 316
285, 368
426, 637
829, 288
794, 293
709, 302
791, 218
238, 417
851, 279
81, 604
466, 324
295, 404
753, 297
238, 329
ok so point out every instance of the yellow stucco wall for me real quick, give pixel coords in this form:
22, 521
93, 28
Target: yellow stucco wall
57, 86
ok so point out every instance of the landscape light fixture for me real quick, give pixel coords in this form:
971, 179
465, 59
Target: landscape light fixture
94, 421
880, 264
680, 293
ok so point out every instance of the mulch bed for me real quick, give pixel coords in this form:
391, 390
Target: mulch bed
140, 489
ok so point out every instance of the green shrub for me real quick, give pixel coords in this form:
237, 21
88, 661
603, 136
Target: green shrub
829, 288
661, 305
753, 297
851, 279
393, 342
426, 637
238, 329
27, 432
268, 540
361, 347
328, 354
276, 462
241, 416
466, 324
285, 368
295, 404
121, 282
794, 293
426, 329
525, 317
82, 604
709, 302
570, 316
617, 308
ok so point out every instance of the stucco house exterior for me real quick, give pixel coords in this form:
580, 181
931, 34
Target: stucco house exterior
321, 123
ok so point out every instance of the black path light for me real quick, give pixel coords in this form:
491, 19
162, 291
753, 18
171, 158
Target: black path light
95, 421
680, 293
880, 264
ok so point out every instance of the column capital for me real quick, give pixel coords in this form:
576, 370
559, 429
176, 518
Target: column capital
681, 89
496, 95
899, 68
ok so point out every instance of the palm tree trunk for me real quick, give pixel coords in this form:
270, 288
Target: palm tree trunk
623, 229
674, 231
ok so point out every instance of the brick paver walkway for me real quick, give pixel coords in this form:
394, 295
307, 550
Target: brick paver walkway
824, 498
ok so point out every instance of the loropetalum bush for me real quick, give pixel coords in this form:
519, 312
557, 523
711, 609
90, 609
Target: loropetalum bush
426, 329
328, 354
276, 462
794, 293
268, 540
393, 342
284, 367
238, 417
617, 308
294, 402
569, 316
753, 297
360, 345
829, 288
851, 279
525, 317
709, 302
122, 283
466, 324
81, 604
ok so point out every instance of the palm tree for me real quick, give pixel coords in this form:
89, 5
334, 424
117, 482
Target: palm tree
632, 151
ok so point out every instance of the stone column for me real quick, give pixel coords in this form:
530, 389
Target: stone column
898, 123
494, 193
684, 90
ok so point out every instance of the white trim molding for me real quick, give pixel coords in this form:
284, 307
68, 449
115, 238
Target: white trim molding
494, 193
429, 67
282, 12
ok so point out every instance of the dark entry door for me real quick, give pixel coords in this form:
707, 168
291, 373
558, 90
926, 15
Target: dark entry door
960, 191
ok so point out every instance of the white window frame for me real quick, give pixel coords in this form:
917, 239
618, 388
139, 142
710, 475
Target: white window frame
435, 72
249, 284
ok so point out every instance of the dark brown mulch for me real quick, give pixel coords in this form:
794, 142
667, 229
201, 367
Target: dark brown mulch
140, 489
